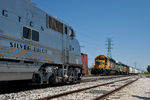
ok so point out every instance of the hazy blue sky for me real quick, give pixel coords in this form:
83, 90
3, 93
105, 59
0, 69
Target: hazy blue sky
127, 22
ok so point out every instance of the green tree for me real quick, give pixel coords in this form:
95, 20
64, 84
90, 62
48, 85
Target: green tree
148, 68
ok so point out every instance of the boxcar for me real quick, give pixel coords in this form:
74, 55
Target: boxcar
84, 63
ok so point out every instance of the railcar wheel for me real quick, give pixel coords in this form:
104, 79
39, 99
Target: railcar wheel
52, 80
36, 78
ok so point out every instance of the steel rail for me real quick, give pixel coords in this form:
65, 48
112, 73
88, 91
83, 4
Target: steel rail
102, 97
17, 86
79, 90
103, 78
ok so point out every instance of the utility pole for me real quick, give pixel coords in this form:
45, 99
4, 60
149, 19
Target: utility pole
135, 64
109, 47
135, 67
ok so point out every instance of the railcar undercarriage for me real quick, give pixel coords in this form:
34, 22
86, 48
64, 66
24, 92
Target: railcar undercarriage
56, 74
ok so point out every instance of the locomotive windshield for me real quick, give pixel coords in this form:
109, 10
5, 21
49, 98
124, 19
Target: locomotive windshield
98, 63
100, 58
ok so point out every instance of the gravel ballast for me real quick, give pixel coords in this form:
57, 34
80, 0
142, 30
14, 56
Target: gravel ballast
139, 90
40, 93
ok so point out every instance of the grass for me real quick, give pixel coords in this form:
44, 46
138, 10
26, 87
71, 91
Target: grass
146, 74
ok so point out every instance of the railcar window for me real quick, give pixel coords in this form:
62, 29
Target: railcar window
59, 26
98, 58
26, 33
70, 32
66, 32
35, 35
30, 34
52, 24
102, 59
55, 24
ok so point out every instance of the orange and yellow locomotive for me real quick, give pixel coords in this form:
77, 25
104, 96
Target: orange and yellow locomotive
103, 65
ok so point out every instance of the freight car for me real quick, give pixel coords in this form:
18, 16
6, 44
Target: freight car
134, 70
84, 64
35, 45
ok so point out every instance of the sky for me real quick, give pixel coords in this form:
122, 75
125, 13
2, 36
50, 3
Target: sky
126, 22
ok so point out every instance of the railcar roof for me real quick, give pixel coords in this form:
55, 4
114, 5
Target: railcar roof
34, 5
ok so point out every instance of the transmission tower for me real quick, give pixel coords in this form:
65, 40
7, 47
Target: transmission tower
109, 47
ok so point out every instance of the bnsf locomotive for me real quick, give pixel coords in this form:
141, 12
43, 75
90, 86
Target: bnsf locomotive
35, 45
107, 66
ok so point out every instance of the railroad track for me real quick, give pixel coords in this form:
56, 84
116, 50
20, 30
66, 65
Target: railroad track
88, 92
114, 91
19, 86
103, 78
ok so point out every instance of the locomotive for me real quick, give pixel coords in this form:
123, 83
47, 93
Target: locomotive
37, 46
108, 66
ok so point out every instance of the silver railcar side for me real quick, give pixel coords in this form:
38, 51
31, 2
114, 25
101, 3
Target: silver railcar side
35, 45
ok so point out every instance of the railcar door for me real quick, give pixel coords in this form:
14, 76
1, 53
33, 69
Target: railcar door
65, 47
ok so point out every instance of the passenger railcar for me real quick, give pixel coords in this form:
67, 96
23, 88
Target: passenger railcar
35, 45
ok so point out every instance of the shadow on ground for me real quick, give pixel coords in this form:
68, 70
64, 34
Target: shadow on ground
144, 98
